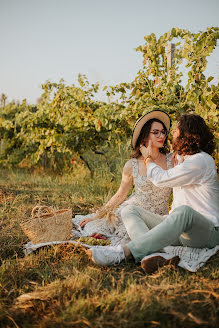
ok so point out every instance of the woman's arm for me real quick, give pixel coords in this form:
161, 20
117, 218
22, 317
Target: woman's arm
126, 184
118, 198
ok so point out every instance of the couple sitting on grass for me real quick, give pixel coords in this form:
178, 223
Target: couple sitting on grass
194, 217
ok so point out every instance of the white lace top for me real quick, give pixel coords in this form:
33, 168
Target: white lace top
146, 195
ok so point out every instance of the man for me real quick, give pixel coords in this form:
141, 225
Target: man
194, 217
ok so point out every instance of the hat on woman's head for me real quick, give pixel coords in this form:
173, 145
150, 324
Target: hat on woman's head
157, 114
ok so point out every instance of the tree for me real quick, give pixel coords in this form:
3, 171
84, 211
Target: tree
3, 99
68, 121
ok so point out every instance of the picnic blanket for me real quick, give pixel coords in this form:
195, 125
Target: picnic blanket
191, 259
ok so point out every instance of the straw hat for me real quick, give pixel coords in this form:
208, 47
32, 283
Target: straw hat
158, 114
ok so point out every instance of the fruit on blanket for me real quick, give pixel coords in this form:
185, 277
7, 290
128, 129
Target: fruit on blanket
94, 241
98, 236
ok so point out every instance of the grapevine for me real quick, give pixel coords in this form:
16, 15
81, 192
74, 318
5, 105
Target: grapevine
68, 121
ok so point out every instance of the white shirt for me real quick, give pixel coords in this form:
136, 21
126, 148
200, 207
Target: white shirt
194, 183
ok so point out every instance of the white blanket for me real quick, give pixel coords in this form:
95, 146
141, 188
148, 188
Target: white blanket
191, 259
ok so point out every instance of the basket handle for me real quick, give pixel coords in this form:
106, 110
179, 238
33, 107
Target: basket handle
37, 210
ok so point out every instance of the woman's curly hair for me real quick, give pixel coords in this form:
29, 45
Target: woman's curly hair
194, 136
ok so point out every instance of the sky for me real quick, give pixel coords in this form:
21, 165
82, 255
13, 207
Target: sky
58, 39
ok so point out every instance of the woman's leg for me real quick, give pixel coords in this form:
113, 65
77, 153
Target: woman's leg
193, 229
138, 221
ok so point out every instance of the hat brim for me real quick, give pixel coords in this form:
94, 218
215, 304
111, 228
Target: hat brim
158, 114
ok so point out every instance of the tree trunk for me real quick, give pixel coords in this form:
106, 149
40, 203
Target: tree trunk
106, 160
88, 166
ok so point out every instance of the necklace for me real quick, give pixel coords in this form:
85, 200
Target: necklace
156, 159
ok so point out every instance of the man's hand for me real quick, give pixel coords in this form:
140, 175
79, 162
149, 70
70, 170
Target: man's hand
146, 151
174, 159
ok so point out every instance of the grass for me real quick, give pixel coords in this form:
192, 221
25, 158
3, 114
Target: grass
59, 287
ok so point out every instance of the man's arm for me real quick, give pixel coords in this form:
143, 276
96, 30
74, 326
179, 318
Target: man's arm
191, 171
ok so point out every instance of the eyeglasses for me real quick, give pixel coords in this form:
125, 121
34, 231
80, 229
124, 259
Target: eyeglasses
158, 133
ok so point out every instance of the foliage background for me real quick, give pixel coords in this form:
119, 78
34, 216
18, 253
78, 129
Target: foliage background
69, 125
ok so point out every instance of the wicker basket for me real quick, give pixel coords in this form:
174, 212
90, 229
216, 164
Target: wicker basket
47, 224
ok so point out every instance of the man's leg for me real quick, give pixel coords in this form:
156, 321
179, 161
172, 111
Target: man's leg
192, 228
138, 221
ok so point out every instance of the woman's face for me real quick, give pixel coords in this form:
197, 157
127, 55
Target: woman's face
157, 135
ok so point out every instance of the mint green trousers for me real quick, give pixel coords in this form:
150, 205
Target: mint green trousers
151, 232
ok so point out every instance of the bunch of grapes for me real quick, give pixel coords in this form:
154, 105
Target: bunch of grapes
95, 239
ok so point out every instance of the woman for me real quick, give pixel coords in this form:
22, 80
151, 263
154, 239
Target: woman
153, 127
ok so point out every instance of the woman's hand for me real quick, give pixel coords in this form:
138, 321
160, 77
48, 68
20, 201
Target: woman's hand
85, 221
146, 151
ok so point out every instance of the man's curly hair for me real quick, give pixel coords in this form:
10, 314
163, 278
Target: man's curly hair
194, 136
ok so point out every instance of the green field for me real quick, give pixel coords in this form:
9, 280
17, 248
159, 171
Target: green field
59, 287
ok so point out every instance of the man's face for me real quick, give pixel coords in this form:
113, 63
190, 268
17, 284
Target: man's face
175, 133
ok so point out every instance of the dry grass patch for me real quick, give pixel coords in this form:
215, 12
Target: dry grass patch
57, 286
